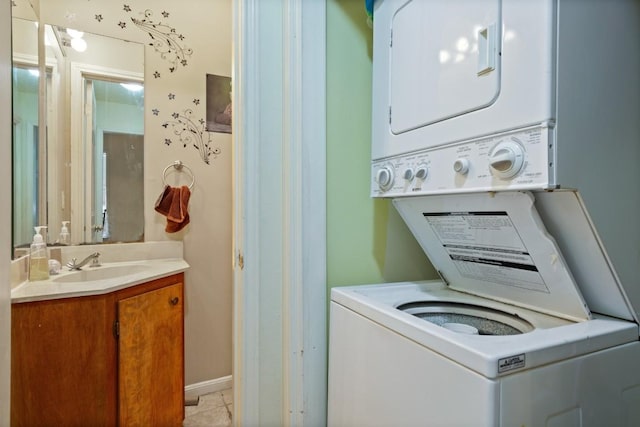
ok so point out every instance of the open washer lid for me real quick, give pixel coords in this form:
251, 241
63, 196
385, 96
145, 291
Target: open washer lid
495, 245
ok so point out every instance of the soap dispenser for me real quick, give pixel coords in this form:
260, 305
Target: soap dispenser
65, 237
38, 258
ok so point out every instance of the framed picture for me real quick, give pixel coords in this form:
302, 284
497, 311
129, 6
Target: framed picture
219, 110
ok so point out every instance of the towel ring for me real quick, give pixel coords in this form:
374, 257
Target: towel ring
178, 165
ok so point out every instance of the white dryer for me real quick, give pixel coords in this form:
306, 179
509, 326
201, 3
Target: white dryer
473, 95
506, 338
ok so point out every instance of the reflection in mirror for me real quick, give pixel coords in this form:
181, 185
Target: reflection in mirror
29, 194
116, 122
106, 133
26, 153
87, 167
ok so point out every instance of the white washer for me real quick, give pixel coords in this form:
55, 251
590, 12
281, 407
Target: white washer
409, 354
385, 369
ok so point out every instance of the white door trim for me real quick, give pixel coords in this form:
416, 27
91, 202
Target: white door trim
279, 317
5, 213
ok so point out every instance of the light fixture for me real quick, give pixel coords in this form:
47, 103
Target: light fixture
75, 34
79, 44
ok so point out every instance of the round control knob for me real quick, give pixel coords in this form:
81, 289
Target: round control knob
384, 177
506, 159
422, 172
408, 174
461, 166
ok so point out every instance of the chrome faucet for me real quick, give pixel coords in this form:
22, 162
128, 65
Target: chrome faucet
94, 258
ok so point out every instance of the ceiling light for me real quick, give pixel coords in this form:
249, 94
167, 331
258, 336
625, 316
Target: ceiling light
79, 45
75, 34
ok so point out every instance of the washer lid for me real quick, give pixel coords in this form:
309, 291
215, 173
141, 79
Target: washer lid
495, 245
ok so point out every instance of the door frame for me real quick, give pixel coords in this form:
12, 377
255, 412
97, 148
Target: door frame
279, 308
5, 213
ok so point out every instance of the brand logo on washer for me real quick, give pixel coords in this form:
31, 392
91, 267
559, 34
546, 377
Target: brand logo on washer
510, 363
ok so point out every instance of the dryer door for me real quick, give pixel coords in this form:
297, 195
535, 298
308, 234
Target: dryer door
444, 60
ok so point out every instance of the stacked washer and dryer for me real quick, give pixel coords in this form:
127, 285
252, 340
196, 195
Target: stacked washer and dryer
507, 133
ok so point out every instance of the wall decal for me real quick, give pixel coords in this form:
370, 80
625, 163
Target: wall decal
219, 109
191, 131
164, 39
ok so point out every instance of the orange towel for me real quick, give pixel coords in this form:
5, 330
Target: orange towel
163, 203
173, 203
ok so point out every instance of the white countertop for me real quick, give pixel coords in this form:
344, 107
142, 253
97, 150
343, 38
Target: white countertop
56, 287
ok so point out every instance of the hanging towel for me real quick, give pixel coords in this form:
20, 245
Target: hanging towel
163, 203
173, 203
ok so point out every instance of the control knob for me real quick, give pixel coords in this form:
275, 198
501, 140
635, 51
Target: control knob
461, 166
408, 174
385, 177
506, 159
422, 171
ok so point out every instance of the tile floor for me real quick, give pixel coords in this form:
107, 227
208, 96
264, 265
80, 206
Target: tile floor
213, 410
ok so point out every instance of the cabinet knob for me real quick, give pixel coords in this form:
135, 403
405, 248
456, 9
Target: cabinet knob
174, 301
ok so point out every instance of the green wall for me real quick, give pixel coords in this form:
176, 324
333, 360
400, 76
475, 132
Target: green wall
367, 241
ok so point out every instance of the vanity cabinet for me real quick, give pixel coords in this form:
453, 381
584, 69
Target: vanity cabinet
105, 360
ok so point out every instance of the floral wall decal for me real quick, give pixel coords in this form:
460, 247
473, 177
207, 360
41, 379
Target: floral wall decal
164, 39
190, 131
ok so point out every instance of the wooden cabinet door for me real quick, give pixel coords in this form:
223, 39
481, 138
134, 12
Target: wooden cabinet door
63, 363
150, 358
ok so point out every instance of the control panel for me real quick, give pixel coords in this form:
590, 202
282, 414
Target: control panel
517, 160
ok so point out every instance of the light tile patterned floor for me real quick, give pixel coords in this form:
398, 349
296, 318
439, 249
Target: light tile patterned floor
214, 409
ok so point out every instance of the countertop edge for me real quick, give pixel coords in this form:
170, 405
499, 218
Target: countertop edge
49, 290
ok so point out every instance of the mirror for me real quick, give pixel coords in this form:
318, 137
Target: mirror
28, 192
107, 127
87, 165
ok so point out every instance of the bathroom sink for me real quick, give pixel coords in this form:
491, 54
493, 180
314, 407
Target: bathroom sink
90, 274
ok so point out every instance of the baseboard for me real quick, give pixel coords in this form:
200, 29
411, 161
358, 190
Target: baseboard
206, 387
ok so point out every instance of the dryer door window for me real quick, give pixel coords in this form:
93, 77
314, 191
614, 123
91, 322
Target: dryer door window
445, 60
